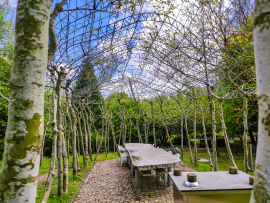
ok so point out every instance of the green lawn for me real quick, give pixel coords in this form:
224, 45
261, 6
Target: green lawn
223, 161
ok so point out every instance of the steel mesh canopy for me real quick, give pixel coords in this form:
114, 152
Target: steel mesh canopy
159, 46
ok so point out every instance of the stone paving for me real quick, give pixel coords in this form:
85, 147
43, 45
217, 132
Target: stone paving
109, 182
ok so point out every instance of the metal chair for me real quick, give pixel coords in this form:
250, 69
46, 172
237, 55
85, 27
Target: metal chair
177, 155
122, 153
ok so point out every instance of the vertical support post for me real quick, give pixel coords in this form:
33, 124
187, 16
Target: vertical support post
168, 177
251, 156
137, 181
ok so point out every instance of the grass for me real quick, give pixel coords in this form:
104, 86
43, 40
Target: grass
223, 161
73, 184
44, 168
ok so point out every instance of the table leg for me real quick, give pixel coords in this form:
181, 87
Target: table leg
132, 170
137, 181
169, 178
129, 162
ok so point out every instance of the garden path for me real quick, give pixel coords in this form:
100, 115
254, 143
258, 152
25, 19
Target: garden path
109, 182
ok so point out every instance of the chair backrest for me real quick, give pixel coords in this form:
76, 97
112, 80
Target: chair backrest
177, 150
121, 148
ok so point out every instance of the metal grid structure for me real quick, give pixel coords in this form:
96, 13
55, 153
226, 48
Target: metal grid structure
161, 46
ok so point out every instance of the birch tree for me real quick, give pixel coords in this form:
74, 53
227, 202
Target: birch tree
19, 171
261, 188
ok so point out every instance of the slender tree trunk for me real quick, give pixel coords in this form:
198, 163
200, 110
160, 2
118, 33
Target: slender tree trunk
225, 134
153, 120
77, 159
96, 132
188, 140
78, 148
105, 138
213, 123
88, 125
261, 186
65, 166
194, 133
245, 112
51, 51
182, 127
137, 114
60, 78
182, 134
124, 127
65, 156
102, 130
73, 127
250, 132
205, 138
88, 130
165, 124
68, 128
85, 160
145, 129
44, 135
120, 133
24, 134
123, 124
108, 133
214, 144
85, 129
113, 134
51, 173
130, 129
137, 124
90, 141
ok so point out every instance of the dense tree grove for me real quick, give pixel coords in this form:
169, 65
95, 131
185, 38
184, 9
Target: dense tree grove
175, 74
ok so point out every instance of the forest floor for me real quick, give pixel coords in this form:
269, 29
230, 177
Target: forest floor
109, 182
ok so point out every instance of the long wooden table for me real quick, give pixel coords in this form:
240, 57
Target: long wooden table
146, 156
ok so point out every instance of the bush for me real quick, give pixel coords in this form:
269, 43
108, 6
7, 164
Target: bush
176, 139
220, 134
192, 141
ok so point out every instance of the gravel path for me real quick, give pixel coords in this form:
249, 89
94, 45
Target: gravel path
109, 182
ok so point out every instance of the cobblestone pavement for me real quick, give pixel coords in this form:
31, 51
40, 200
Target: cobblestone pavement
109, 182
